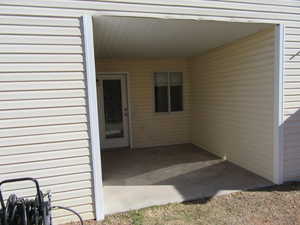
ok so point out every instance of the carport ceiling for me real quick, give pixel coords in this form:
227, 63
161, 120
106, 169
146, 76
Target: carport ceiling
124, 37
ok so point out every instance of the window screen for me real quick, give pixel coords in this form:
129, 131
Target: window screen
168, 91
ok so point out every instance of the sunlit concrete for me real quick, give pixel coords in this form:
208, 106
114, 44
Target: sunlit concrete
140, 178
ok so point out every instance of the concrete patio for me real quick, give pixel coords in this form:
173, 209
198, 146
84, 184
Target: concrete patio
145, 177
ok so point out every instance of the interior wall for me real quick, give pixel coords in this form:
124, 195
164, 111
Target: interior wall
233, 103
148, 127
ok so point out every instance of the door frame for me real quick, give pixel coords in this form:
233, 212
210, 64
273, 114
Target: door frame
127, 84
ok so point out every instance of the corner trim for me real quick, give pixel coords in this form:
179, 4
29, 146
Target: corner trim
278, 106
89, 59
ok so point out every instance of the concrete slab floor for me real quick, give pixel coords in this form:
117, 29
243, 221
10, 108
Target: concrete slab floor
140, 178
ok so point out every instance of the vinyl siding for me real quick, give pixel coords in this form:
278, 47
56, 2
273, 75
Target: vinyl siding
148, 127
43, 110
291, 104
21, 14
233, 102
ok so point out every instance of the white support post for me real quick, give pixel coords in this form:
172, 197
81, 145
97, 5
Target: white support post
93, 115
278, 105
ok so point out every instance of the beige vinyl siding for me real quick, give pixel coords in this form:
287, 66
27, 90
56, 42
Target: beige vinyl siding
291, 104
43, 110
233, 102
148, 127
57, 13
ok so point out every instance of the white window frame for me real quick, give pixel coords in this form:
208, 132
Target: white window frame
169, 91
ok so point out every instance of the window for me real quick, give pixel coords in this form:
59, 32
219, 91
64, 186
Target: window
168, 91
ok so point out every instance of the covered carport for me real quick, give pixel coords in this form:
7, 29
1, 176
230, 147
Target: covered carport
219, 139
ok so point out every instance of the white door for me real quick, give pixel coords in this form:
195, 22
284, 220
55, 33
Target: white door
113, 110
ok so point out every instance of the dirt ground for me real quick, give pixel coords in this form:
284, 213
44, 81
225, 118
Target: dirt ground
277, 205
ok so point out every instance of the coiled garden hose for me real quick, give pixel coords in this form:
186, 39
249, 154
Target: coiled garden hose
21, 211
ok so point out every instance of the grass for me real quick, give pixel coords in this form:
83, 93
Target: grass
276, 205
137, 217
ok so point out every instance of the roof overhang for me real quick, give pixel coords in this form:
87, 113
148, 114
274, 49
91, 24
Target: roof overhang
133, 37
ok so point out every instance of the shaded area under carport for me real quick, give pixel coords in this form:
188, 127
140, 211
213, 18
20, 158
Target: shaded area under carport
145, 177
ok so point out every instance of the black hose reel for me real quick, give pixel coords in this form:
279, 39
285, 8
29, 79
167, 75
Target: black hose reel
22, 211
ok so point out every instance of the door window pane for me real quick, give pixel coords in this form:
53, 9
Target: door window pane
113, 112
176, 91
161, 92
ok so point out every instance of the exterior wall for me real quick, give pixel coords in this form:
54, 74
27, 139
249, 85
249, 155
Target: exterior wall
43, 110
39, 17
233, 102
174, 128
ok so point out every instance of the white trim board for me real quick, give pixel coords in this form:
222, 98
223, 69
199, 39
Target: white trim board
278, 105
89, 59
